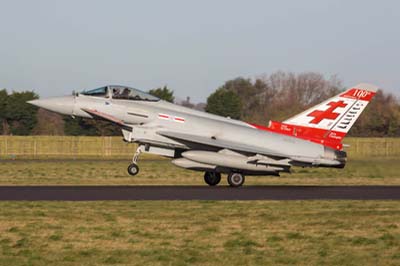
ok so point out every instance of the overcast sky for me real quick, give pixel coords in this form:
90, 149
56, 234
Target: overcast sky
55, 47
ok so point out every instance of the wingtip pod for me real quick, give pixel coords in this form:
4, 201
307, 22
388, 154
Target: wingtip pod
362, 91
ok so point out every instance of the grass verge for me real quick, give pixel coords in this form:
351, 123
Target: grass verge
200, 233
367, 171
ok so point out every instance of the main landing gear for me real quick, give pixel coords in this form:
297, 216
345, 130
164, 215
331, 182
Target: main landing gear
212, 178
133, 168
234, 179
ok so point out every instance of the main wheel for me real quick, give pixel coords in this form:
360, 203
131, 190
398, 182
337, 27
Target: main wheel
235, 179
212, 178
133, 169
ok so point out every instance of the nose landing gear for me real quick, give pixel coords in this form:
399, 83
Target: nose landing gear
133, 168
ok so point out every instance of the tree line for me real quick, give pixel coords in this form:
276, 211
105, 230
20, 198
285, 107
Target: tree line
277, 97
282, 95
16, 116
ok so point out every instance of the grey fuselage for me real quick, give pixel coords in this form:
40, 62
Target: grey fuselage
144, 120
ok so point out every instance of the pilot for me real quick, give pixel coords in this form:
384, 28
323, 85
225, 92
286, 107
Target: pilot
125, 94
116, 93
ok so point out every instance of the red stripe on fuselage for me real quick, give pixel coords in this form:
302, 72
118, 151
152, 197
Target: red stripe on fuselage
180, 119
163, 116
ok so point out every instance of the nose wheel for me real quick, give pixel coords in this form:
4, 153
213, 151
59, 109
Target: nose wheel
235, 179
133, 169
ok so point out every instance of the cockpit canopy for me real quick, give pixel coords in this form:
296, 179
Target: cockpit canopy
121, 93
99, 92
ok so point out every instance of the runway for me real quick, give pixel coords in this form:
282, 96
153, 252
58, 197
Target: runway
93, 193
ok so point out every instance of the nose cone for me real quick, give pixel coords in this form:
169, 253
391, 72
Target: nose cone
63, 105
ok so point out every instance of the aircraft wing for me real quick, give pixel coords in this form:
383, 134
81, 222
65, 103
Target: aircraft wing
223, 144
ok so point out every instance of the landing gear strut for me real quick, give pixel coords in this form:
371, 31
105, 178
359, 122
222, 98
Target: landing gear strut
212, 178
235, 179
133, 168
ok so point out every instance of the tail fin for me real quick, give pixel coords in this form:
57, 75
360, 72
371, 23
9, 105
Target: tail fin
329, 122
337, 113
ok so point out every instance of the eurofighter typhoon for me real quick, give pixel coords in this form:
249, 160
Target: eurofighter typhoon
218, 145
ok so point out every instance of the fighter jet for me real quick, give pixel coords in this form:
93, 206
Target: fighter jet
218, 145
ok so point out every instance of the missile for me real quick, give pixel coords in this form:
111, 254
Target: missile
232, 161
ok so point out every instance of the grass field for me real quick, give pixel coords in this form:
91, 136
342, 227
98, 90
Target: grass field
197, 232
384, 171
200, 233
